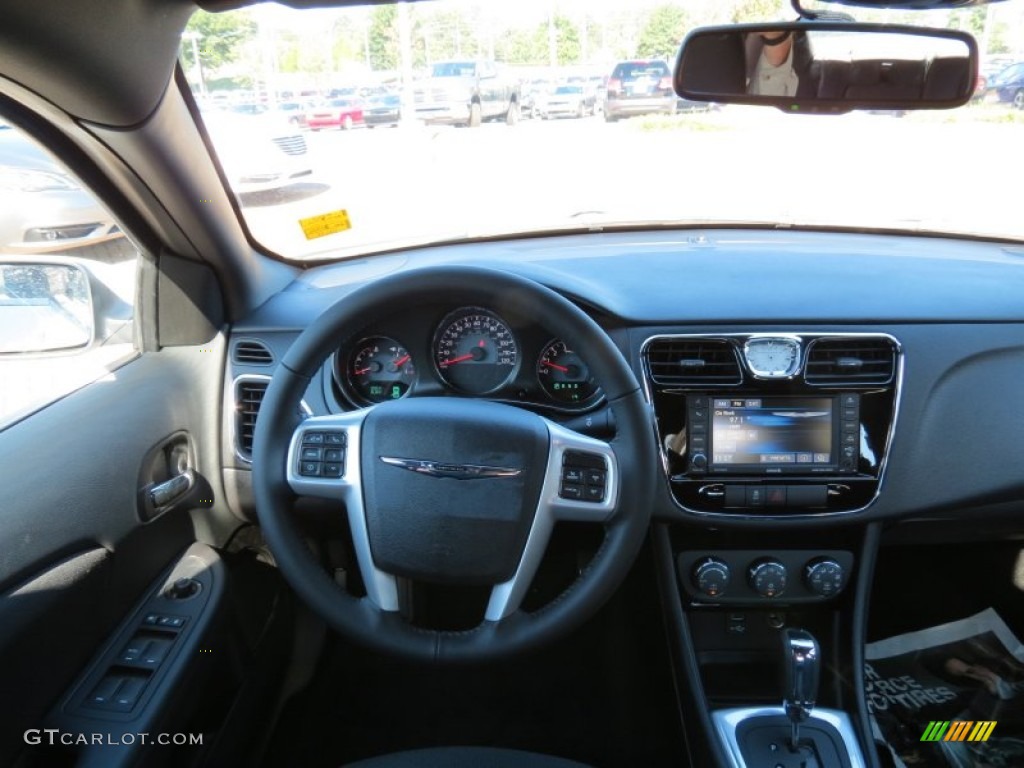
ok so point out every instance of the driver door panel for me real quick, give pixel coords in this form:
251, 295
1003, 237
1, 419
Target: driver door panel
76, 547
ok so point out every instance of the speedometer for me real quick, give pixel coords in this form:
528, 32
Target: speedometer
475, 351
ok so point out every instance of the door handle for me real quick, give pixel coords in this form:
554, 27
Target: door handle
171, 490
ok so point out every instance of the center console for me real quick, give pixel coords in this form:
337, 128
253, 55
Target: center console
773, 423
758, 432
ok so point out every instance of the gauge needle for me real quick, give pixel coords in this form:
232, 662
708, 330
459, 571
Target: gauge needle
361, 371
459, 359
557, 367
402, 361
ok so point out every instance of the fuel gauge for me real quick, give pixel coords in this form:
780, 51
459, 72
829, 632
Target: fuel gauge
379, 369
564, 375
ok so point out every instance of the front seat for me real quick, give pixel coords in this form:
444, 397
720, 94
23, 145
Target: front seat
465, 757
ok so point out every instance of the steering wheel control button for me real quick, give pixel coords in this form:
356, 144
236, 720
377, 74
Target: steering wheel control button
571, 491
584, 476
322, 454
767, 577
824, 577
711, 577
572, 475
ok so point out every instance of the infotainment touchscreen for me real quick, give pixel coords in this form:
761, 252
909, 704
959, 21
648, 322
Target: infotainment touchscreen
773, 432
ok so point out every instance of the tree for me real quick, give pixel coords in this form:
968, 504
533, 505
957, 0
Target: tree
749, 11
221, 37
567, 40
664, 31
384, 37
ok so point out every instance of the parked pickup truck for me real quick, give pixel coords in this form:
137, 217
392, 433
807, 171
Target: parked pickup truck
466, 93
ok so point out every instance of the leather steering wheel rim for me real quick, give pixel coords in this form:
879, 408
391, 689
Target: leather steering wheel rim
358, 618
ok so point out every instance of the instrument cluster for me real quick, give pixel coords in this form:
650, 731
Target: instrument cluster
470, 351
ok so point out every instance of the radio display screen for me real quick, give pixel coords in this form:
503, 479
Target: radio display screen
773, 432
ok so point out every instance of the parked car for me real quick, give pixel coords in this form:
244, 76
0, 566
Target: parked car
42, 208
639, 88
570, 100
261, 152
343, 113
466, 93
294, 112
1007, 86
383, 107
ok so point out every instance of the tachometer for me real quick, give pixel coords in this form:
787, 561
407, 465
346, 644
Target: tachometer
475, 351
564, 375
380, 369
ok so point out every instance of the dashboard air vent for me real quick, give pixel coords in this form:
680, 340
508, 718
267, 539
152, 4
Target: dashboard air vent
851, 361
252, 353
693, 362
248, 397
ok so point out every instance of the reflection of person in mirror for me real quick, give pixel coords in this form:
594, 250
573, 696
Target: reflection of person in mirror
771, 66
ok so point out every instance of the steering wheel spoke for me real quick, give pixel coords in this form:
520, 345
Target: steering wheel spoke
324, 462
581, 483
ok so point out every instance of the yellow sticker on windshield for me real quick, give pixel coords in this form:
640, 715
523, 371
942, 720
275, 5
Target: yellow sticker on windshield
325, 224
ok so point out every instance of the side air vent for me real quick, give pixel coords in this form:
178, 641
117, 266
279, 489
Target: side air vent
248, 398
851, 361
252, 353
693, 362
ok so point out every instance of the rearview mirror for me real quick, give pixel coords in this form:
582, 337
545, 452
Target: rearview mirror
44, 307
830, 67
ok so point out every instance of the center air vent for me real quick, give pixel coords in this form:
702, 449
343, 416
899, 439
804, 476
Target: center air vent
693, 362
863, 360
252, 353
248, 398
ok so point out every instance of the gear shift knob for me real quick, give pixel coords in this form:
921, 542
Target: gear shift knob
801, 669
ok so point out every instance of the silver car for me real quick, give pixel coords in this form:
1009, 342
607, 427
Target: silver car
42, 208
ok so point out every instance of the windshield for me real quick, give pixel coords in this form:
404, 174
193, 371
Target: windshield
469, 144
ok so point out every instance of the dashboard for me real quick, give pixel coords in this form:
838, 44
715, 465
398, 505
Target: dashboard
923, 421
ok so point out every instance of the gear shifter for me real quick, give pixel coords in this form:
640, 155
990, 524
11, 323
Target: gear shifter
801, 668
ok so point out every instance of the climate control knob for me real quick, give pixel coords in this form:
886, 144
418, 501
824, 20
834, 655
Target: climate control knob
767, 577
824, 577
711, 576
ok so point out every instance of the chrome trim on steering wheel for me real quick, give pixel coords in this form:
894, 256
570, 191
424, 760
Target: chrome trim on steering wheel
507, 597
381, 587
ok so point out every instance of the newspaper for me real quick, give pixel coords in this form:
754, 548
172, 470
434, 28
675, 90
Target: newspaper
951, 696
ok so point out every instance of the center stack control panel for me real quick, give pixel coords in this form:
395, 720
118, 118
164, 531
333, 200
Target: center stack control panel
773, 423
758, 577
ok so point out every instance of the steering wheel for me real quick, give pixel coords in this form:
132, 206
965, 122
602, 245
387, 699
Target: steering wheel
453, 490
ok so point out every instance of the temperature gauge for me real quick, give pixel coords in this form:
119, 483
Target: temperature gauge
380, 369
563, 375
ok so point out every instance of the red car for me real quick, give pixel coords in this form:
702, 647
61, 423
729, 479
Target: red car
336, 113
